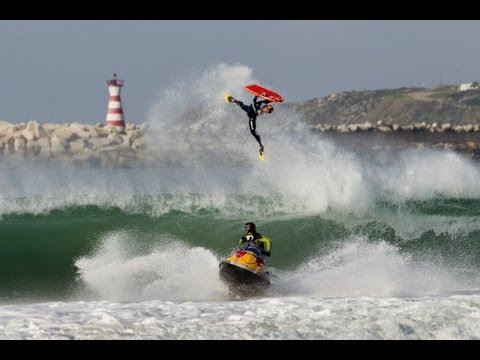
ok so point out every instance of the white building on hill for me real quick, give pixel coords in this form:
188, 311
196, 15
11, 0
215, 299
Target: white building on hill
469, 86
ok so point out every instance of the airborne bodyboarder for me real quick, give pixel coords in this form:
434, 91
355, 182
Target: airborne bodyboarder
253, 110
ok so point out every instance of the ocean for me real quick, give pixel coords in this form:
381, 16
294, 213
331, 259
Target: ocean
382, 245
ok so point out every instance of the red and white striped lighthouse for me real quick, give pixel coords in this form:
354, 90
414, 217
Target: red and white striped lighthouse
115, 111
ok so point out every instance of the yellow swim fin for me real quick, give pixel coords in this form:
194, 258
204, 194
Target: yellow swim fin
226, 96
262, 156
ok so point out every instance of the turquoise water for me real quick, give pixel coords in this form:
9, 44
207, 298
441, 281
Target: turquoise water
67, 218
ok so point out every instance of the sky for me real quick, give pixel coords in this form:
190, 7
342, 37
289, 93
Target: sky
54, 71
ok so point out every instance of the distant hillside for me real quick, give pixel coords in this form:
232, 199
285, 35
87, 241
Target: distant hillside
401, 106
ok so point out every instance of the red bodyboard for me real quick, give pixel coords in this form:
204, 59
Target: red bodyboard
263, 92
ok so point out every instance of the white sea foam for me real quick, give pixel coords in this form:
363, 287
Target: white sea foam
357, 267
424, 174
170, 271
427, 318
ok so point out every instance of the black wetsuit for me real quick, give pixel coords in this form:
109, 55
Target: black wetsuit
252, 111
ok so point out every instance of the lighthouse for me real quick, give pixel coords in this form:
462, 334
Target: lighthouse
115, 110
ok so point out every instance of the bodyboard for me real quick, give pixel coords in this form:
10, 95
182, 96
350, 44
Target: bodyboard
265, 93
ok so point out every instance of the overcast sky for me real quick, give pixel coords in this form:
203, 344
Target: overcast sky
54, 71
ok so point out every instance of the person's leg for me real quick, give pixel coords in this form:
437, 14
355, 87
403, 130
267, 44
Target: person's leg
252, 124
240, 104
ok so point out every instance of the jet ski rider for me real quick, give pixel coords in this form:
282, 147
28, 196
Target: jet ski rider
251, 234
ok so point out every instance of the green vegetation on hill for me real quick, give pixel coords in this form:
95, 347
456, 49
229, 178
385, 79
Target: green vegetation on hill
401, 106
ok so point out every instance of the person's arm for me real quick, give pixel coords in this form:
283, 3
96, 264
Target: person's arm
259, 104
242, 240
267, 243
256, 104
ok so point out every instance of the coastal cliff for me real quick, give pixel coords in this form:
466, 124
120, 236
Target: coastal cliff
402, 107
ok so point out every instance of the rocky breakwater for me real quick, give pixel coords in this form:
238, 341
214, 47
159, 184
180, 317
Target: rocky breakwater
72, 144
381, 136
102, 146
442, 118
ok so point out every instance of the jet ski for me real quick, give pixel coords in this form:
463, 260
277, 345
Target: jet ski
244, 272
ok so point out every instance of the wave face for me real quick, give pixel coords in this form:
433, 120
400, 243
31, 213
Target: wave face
337, 230
344, 224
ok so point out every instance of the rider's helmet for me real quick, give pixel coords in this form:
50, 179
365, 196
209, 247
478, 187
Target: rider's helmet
267, 108
250, 227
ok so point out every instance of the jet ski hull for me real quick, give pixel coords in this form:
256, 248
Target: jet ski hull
244, 273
